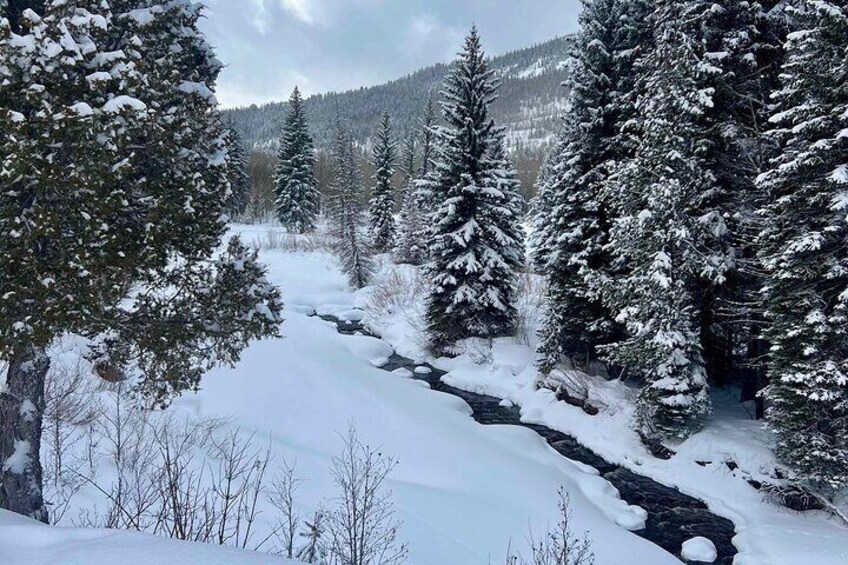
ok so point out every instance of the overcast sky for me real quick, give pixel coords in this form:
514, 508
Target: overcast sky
325, 45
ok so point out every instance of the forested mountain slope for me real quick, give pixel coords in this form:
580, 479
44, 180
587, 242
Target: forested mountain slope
528, 102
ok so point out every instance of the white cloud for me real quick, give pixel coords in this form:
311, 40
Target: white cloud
427, 36
304, 10
323, 45
260, 17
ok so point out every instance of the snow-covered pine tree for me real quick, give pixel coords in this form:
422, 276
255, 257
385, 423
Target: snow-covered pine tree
427, 135
541, 208
409, 247
743, 40
475, 250
659, 234
297, 198
572, 222
89, 219
803, 248
423, 185
382, 206
351, 242
505, 179
239, 179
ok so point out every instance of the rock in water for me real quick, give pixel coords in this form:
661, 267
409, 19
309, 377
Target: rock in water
699, 550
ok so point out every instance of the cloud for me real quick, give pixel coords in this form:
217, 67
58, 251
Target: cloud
260, 16
304, 10
426, 36
329, 45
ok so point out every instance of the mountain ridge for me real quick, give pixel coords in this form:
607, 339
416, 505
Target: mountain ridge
530, 100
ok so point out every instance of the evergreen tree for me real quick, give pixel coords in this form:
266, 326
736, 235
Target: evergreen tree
239, 179
114, 189
476, 246
427, 128
423, 181
742, 42
382, 205
803, 248
352, 246
572, 221
298, 200
541, 209
663, 234
410, 247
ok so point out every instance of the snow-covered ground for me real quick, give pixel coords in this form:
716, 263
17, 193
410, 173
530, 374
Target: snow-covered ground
712, 465
463, 491
26, 542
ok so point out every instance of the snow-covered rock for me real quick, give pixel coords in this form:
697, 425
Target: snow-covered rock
699, 550
403, 372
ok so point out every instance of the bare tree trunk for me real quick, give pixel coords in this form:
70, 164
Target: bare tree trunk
21, 412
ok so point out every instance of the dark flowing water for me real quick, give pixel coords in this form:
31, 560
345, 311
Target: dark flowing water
673, 517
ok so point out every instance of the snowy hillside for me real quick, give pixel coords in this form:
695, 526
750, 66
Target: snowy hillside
529, 102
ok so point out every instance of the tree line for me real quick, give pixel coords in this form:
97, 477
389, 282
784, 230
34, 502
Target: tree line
691, 220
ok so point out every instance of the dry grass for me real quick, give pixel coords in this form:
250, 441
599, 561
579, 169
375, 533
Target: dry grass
280, 240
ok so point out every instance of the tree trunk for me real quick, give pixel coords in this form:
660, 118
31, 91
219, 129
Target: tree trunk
21, 412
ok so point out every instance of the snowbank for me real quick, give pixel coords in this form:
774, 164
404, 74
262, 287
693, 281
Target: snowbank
26, 542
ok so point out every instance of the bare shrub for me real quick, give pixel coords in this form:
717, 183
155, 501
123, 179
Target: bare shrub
400, 291
282, 497
183, 479
198, 480
121, 437
529, 303
362, 527
71, 407
800, 498
237, 486
559, 546
395, 290
183, 507
280, 240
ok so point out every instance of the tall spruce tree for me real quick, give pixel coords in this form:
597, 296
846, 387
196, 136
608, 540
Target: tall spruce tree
410, 247
663, 234
239, 179
382, 206
423, 181
572, 221
742, 42
96, 239
297, 197
803, 248
427, 135
476, 246
541, 209
351, 243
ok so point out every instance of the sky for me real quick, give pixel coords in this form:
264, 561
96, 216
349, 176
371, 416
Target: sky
269, 46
